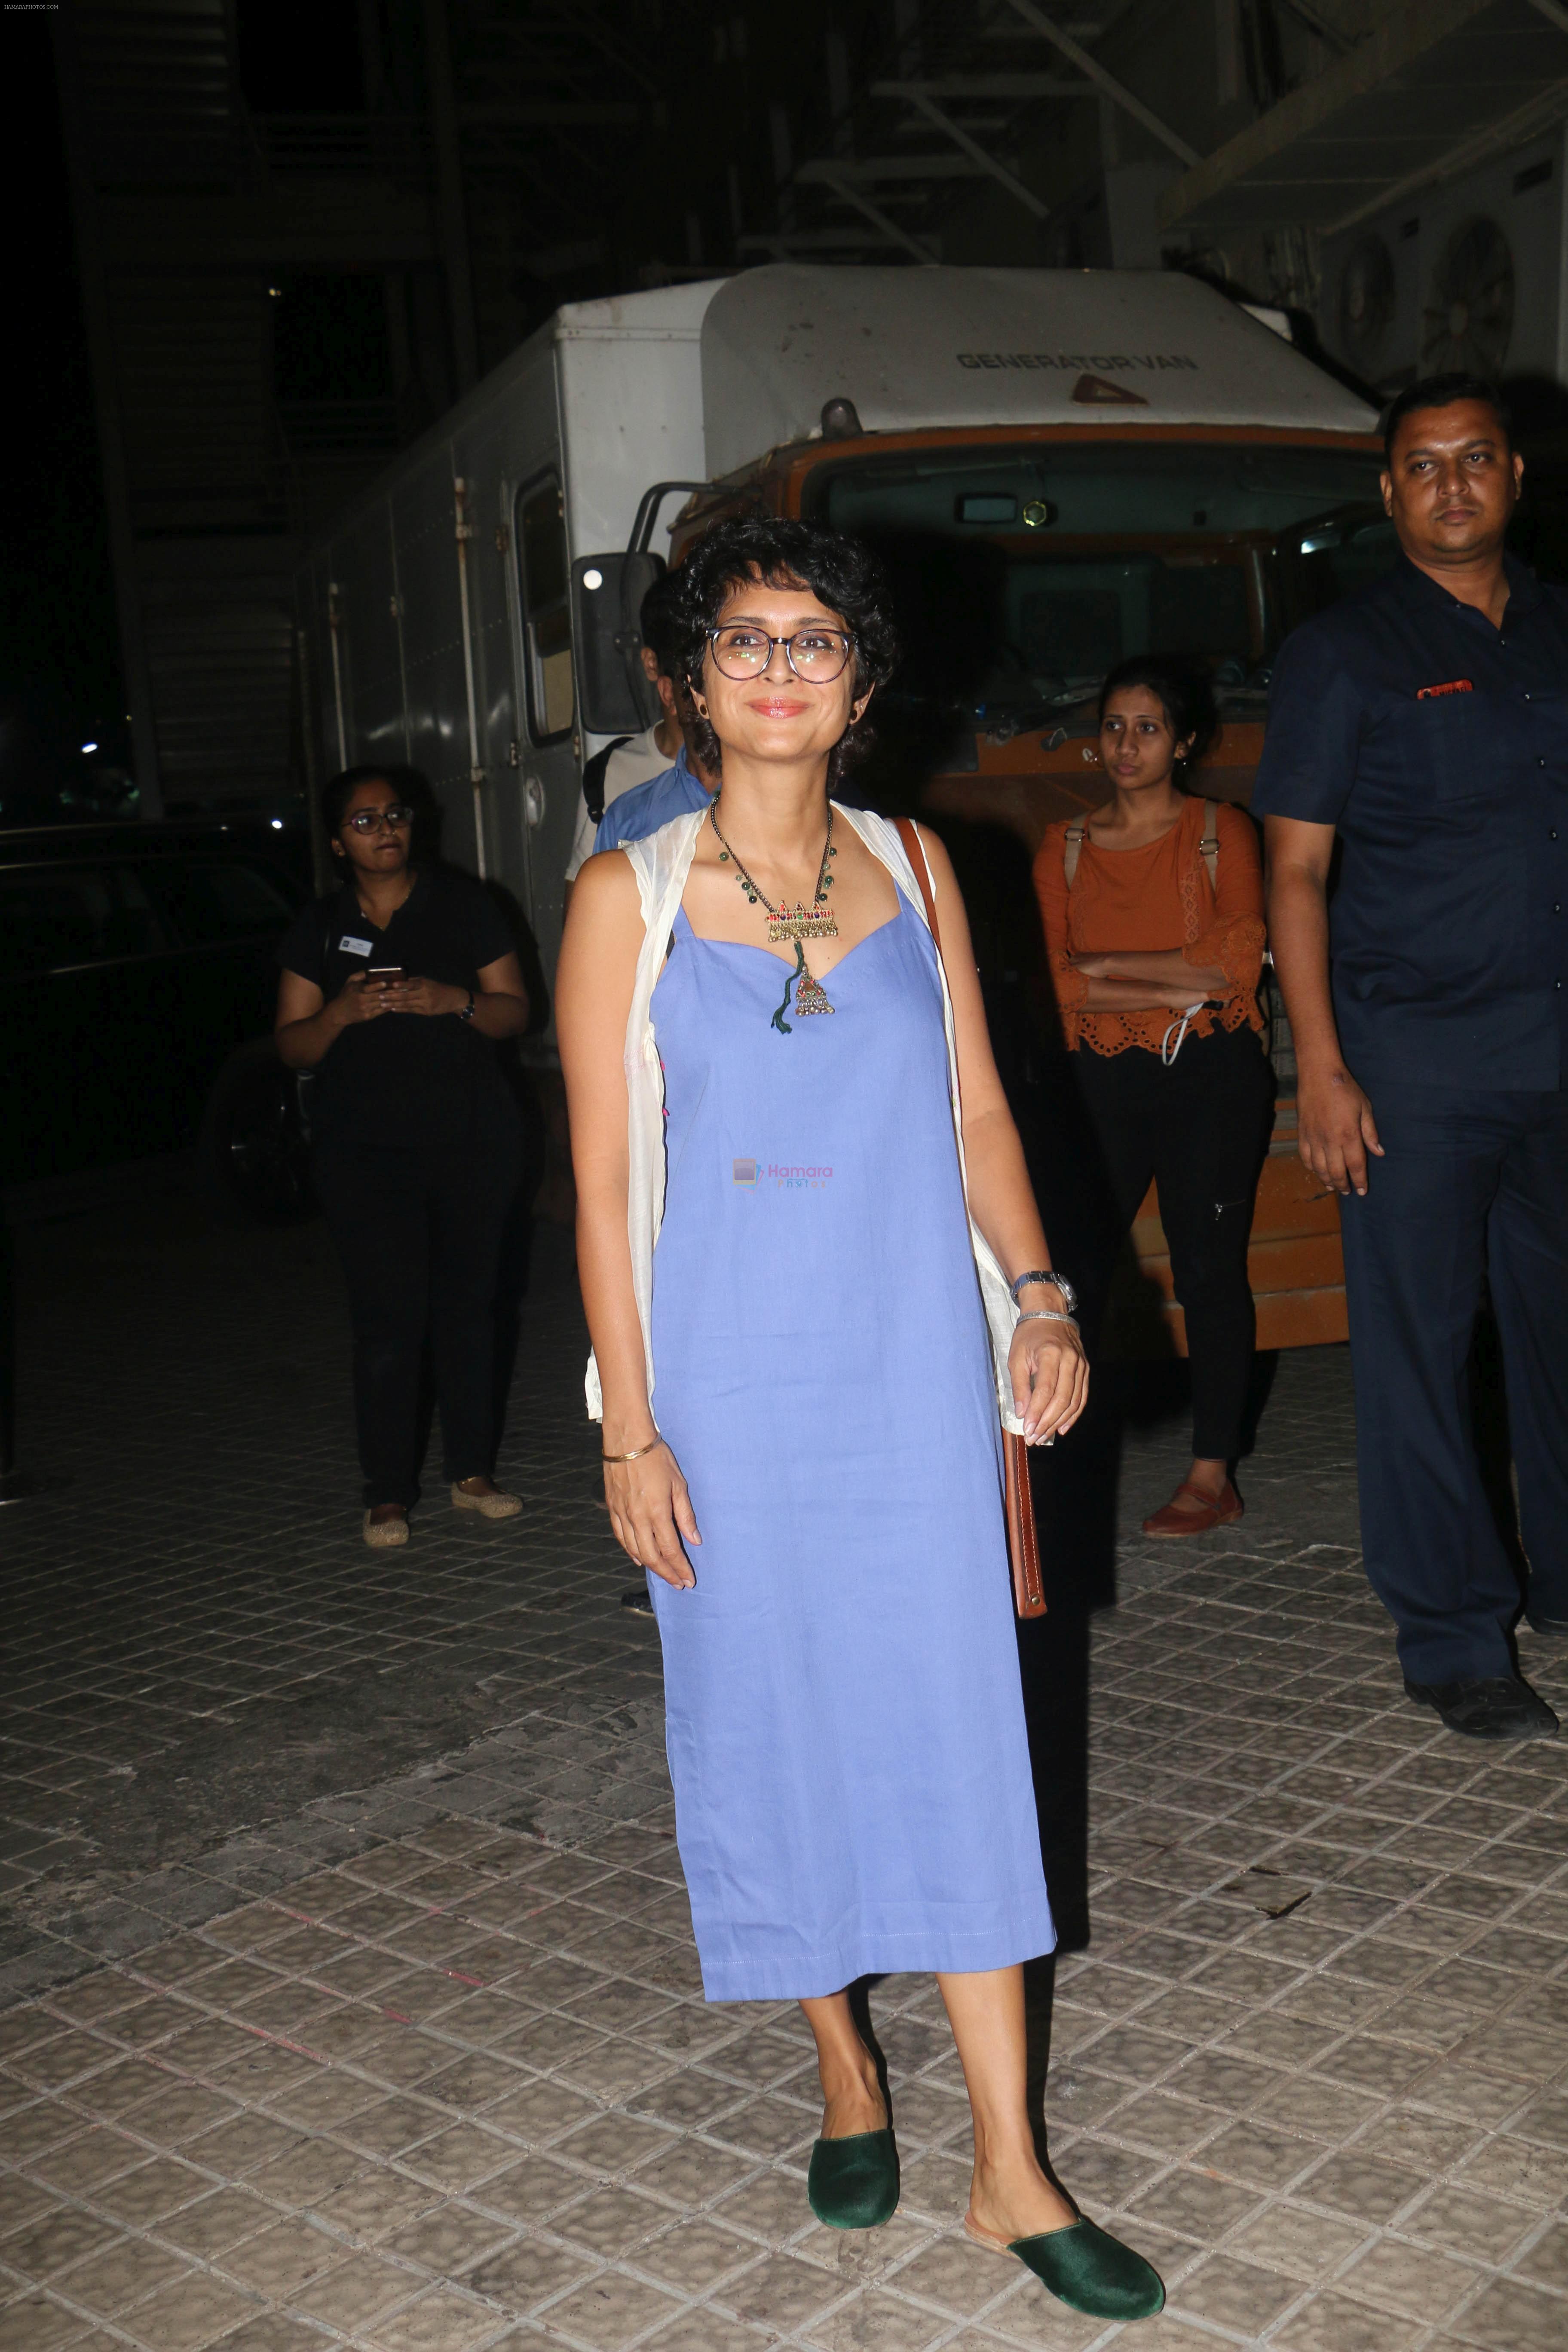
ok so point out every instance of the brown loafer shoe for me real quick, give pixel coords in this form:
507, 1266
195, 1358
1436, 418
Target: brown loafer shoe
382, 1535
498, 1505
1212, 1511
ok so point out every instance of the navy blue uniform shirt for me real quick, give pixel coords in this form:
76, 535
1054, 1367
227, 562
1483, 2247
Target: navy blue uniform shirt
1438, 746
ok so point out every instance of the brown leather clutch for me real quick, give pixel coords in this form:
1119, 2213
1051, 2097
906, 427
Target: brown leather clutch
1023, 1540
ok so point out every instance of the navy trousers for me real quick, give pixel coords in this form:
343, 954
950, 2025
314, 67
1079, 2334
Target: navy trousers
1473, 1190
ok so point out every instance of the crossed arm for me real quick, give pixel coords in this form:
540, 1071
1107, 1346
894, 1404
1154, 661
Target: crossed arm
1145, 980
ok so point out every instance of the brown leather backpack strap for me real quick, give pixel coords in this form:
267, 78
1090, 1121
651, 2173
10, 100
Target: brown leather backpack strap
1076, 837
1018, 1498
1208, 847
914, 850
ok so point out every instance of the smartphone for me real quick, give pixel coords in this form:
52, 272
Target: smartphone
384, 972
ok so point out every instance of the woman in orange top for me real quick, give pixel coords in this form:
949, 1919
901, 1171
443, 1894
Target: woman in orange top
1144, 921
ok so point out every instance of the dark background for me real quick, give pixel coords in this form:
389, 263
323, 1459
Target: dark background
59, 671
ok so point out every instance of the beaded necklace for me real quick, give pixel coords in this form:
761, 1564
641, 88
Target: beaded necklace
796, 923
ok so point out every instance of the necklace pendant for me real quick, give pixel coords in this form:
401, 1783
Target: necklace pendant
810, 996
792, 924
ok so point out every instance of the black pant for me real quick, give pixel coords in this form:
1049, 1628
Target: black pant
1472, 1188
419, 1234
1198, 1130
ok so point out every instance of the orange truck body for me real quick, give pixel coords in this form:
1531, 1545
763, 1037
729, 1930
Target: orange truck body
1021, 786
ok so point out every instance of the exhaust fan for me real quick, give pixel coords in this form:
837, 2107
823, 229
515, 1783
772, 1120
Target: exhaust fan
1468, 322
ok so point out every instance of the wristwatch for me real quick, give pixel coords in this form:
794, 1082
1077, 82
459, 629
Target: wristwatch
1057, 1281
467, 1012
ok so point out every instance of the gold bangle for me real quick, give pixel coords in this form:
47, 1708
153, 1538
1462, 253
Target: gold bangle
635, 1456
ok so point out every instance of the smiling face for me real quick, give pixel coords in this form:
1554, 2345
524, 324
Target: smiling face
1138, 745
1452, 483
384, 849
774, 714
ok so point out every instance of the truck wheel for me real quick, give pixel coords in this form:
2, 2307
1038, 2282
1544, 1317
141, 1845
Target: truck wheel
254, 1158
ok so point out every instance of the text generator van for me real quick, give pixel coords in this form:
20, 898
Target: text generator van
1060, 466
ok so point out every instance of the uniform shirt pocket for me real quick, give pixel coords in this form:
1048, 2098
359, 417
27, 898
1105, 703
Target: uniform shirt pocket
1457, 747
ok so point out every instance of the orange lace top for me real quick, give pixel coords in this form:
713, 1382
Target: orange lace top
1156, 897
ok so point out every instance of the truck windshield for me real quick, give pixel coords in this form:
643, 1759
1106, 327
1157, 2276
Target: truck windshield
1021, 576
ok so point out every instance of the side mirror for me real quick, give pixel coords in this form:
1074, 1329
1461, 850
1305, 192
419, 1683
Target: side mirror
614, 696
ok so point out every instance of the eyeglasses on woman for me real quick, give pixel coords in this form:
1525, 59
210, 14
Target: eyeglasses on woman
371, 820
816, 656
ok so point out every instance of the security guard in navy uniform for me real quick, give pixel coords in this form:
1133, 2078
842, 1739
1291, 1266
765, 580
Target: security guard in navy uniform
1422, 722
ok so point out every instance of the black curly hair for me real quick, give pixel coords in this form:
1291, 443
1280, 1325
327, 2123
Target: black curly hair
658, 623
1183, 692
840, 570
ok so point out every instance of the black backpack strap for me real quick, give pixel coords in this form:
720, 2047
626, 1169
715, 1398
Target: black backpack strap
594, 778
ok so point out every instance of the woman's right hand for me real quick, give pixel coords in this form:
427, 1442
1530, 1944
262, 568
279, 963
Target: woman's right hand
650, 1511
359, 1000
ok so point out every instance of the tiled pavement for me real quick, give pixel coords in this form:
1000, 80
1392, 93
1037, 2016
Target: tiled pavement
353, 1991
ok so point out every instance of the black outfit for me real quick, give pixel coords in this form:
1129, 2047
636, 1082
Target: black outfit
1438, 746
1198, 1129
416, 1158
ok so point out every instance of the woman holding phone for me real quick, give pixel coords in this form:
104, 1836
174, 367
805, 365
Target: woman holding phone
393, 991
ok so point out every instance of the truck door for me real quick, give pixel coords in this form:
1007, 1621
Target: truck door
551, 779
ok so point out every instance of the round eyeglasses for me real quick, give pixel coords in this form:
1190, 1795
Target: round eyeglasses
371, 820
818, 655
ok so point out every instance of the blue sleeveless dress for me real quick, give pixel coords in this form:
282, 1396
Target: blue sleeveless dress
844, 1720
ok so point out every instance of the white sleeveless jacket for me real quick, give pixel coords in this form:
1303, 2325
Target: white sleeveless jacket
661, 863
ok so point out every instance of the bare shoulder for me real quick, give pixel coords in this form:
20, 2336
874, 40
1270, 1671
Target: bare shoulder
937, 858
606, 893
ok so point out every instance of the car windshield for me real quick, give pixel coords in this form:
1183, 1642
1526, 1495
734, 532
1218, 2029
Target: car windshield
1022, 575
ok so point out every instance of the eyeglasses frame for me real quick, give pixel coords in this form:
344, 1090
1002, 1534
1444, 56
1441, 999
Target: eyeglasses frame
788, 644
382, 820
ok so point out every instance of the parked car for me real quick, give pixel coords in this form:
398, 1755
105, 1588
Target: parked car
136, 961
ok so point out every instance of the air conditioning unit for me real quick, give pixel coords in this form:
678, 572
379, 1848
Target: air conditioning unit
1468, 274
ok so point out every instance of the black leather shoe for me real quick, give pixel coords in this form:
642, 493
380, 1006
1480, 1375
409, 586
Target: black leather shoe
1551, 1628
1501, 1707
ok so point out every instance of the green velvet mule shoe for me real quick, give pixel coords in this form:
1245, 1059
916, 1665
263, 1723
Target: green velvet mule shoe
1086, 2268
853, 2183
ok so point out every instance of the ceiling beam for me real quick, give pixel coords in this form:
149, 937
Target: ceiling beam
998, 85
867, 171
912, 94
584, 24
1539, 113
545, 113
1316, 22
827, 177
1040, 23
1411, 28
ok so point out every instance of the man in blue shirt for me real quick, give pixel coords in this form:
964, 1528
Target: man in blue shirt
1422, 725
633, 814
646, 806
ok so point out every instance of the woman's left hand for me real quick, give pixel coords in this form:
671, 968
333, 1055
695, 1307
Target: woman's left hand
1050, 1378
429, 996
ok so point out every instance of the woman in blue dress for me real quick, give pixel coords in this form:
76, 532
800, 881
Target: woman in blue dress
813, 1270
